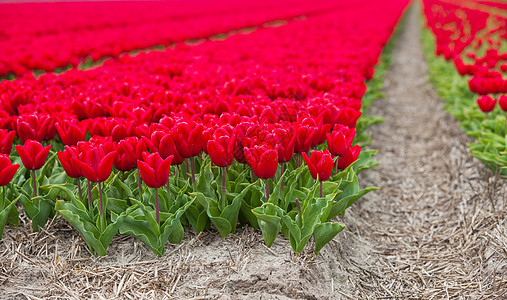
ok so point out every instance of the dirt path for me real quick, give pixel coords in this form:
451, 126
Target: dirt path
432, 227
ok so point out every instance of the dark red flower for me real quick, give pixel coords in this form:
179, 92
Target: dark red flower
340, 140
263, 160
349, 158
69, 160
502, 101
221, 148
7, 170
320, 164
129, 151
486, 103
6, 138
71, 132
32, 154
154, 170
96, 163
188, 138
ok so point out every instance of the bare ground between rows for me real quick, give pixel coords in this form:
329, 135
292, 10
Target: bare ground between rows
431, 231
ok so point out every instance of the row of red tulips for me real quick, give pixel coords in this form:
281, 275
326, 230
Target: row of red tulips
46, 36
473, 35
267, 99
473, 39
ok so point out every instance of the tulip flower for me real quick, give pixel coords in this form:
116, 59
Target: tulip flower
96, 165
129, 151
155, 173
220, 149
7, 170
188, 141
6, 138
349, 158
33, 156
486, 103
340, 140
320, 164
69, 160
264, 162
71, 132
502, 101
35, 127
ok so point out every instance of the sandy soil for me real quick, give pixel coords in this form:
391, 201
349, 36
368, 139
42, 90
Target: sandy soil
435, 229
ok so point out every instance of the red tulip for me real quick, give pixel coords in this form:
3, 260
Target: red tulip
71, 132
285, 144
188, 138
163, 143
129, 151
97, 163
154, 169
32, 154
221, 148
6, 138
35, 127
349, 158
486, 103
320, 164
7, 170
263, 160
502, 101
305, 135
340, 140
69, 160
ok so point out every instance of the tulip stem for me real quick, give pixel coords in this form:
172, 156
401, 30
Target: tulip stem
123, 181
192, 166
321, 189
157, 211
139, 185
100, 199
102, 216
186, 167
267, 190
223, 187
79, 188
168, 187
2, 203
282, 165
34, 183
90, 197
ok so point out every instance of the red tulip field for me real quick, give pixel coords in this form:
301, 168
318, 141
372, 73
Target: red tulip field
227, 149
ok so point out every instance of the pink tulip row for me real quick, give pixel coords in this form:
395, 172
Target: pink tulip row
46, 36
472, 34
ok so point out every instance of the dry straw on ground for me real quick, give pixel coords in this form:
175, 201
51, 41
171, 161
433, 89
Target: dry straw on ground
435, 230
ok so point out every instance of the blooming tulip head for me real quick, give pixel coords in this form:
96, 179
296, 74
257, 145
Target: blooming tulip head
71, 132
486, 103
129, 151
221, 148
349, 158
7, 170
340, 139
154, 170
320, 164
69, 160
6, 138
96, 162
188, 138
263, 160
32, 154
502, 101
